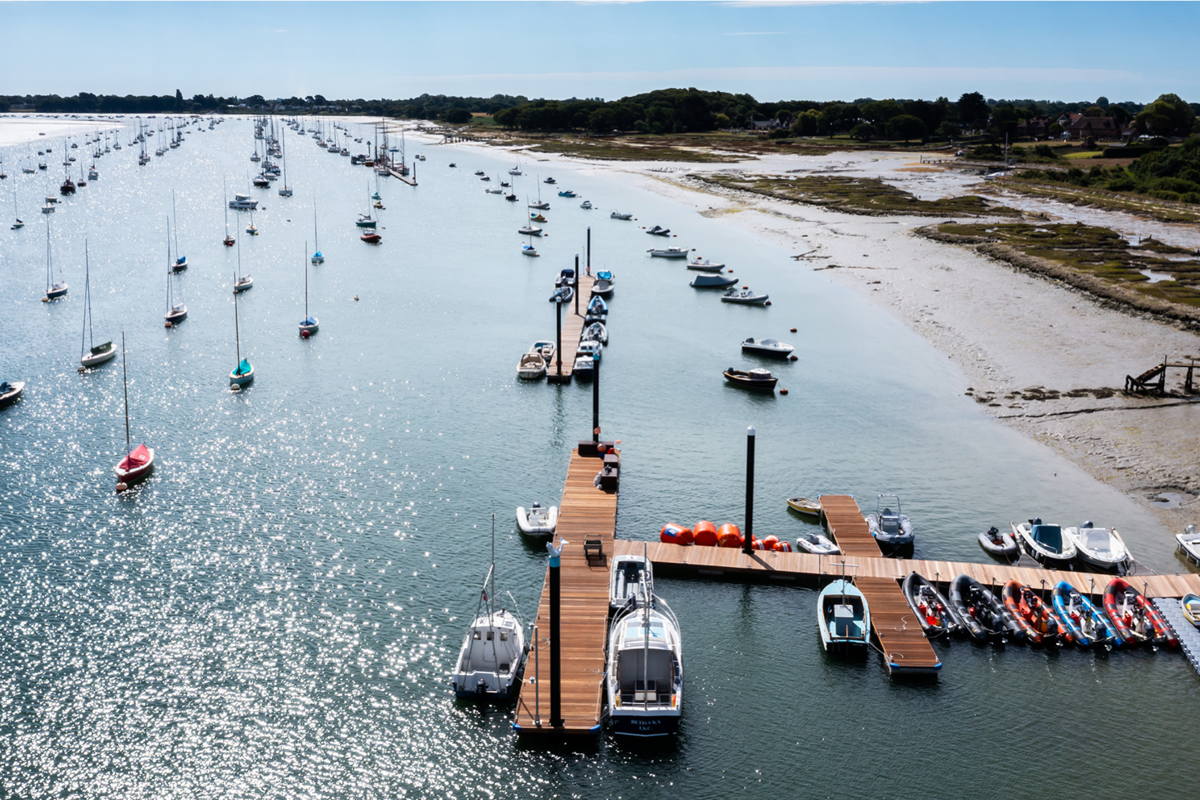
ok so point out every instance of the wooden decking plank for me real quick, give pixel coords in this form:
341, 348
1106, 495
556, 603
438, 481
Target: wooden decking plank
584, 512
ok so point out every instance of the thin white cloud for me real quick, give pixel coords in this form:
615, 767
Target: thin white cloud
957, 74
781, 4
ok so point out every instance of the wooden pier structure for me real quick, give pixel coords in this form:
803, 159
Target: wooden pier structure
585, 513
572, 329
396, 174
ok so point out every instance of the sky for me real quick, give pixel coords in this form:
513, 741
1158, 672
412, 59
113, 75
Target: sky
1071, 51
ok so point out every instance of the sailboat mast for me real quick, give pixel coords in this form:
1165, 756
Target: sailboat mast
176, 219
87, 293
306, 283
492, 571
169, 296
236, 335
125, 383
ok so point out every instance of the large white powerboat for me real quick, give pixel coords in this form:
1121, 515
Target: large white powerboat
644, 679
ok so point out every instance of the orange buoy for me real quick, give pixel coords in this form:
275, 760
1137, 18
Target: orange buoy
728, 535
783, 391
783, 547
704, 533
675, 534
795, 358
793, 330
755, 544
745, 287
770, 542
767, 303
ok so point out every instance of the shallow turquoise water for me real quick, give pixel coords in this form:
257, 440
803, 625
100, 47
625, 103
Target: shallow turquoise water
275, 612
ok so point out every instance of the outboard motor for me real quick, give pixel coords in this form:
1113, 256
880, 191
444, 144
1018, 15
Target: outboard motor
1086, 524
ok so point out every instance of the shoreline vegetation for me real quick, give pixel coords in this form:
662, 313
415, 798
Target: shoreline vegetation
1150, 277
854, 195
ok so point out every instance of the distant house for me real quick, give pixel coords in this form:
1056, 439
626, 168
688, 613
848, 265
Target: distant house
1096, 127
1034, 127
764, 124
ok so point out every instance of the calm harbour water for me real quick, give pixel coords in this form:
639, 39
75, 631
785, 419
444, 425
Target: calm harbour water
275, 612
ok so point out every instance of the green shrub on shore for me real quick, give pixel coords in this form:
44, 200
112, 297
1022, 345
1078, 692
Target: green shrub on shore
1167, 174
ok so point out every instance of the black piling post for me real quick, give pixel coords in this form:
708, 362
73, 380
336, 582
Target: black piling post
577, 284
747, 546
556, 719
589, 250
596, 399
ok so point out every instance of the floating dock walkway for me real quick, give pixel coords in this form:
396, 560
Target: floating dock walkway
1189, 634
405, 178
584, 513
572, 331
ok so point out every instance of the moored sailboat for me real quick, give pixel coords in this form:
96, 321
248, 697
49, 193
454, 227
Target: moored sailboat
243, 373
54, 290
138, 462
309, 325
91, 354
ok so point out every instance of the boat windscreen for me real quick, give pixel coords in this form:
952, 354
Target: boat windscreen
1048, 536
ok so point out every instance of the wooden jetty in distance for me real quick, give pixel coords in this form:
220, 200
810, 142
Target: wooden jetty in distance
396, 174
584, 513
572, 329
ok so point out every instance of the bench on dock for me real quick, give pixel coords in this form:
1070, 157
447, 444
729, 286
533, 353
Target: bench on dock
593, 549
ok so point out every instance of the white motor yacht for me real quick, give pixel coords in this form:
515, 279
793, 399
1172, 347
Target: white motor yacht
243, 201
644, 679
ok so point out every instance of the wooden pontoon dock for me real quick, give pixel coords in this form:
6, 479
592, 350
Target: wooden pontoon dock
584, 513
572, 330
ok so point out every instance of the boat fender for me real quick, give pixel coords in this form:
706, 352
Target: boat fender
704, 533
769, 542
672, 533
783, 547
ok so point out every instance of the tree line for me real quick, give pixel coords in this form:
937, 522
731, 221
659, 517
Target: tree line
670, 111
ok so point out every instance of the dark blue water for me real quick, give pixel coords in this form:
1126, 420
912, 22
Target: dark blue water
275, 612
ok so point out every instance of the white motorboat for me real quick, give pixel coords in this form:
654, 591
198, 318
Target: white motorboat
537, 520
619, 215
584, 368
492, 658
712, 281
604, 283
644, 679
745, 297
1044, 542
586, 204
10, 392
891, 528
243, 201
705, 266
1100, 548
545, 349
1189, 543
242, 284
817, 544
590, 348
625, 580
596, 332
767, 347
669, 252
658, 230
530, 230
541, 205
531, 367
845, 618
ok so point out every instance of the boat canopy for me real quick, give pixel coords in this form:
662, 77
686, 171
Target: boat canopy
243, 368
135, 459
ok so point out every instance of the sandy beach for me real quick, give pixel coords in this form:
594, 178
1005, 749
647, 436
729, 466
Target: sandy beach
20, 127
1043, 358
